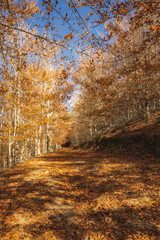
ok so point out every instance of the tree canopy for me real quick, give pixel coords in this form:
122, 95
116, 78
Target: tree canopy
102, 55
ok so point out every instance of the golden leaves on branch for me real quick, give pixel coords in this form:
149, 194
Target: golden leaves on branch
69, 36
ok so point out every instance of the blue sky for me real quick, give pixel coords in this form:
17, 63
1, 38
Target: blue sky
62, 28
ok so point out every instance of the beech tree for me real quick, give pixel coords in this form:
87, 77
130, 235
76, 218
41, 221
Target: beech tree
33, 96
115, 71
126, 86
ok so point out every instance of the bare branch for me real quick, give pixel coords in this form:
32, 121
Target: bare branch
44, 38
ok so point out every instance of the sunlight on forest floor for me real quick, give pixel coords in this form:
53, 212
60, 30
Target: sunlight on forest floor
80, 195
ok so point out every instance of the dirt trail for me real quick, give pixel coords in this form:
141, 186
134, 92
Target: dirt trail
80, 195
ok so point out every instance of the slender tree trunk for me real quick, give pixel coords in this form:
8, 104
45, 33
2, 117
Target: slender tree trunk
47, 130
39, 141
91, 129
36, 144
44, 142
10, 149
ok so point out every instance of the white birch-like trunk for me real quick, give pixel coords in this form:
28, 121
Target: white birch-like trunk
10, 149
36, 144
47, 130
44, 142
2, 116
22, 153
39, 141
16, 119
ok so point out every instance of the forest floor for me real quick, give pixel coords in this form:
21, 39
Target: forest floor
140, 138
81, 195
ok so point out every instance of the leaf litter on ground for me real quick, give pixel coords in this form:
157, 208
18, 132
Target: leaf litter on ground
81, 194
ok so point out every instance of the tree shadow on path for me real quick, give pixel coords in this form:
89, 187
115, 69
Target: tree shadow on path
75, 194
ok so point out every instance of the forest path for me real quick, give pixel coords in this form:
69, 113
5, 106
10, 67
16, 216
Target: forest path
81, 195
